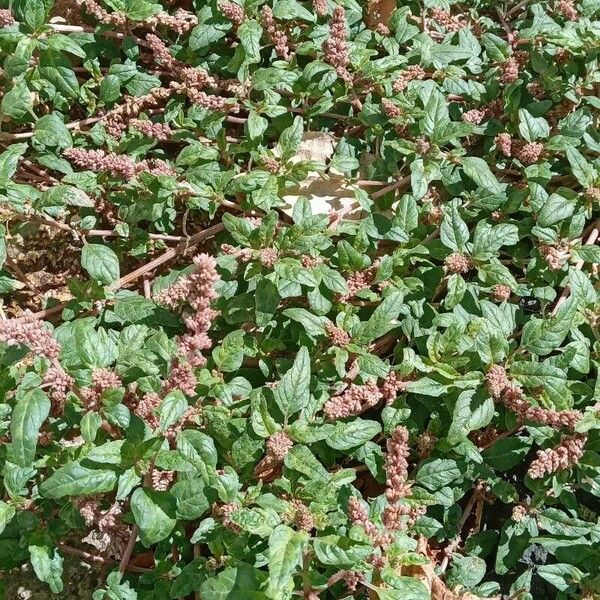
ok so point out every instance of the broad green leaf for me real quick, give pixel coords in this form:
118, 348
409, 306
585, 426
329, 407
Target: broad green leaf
7, 512
292, 394
286, 548
29, 414
75, 479
383, 319
345, 436
154, 514
100, 262
57, 69
436, 473
454, 232
479, 171
9, 160
48, 566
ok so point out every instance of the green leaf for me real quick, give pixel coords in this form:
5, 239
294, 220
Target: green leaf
17, 102
58, 70
199, 450
48, 568
562, 576
7, 512
313, 324
230, 354
191, 498
292, 394
286, 548
51, 132
532, 128
454, 232
542, 336
436, 473
345, 436
74, 479
555, 209
340, 551
28, 416
241, 582
582, 169
383, 319
90, 425
9, 161
171, 409
250, 33
405, 588
30, 12
478, 170
154, 514
100, 262
470, 413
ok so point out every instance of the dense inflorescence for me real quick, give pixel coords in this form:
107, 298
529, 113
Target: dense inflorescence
299, 298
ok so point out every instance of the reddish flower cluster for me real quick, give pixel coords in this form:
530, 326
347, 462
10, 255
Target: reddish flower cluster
458, 262
519, 512
354, 400
504, 143
181, 21
303, 518
530, 153
102, 380
335, 46
278, 445
277, 36
359, 280
158, 131
501, 292
474, 116
117, 120
593, 194
411, 73
510, 70
511, 395
425, 443
162, 480
198, 290
359, 516
29, 331
396, 465
118, 19
270, 164
390, 109
446, 20
392, 385
146, 408
337, 336
161, 52
98, 160
567, 9
268, 257
224, 512
564, 456
234, 12
181, 377
554, 256
320, 7
59, 383
6, 18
